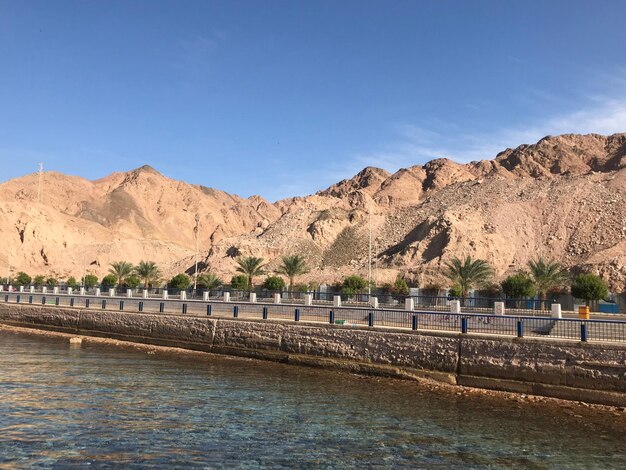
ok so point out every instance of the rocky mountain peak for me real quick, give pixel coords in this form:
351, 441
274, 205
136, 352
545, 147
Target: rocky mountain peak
566, 154
368, 180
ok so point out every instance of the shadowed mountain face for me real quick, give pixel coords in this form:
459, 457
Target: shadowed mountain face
563, 197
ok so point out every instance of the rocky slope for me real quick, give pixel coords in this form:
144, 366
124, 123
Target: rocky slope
83, 225
563, 197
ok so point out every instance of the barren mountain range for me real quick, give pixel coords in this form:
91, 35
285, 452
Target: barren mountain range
563, 197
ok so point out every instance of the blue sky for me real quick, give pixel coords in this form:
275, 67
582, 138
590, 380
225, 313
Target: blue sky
283, 98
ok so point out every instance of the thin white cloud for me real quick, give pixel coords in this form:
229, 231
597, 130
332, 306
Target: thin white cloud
607, 118
419, 144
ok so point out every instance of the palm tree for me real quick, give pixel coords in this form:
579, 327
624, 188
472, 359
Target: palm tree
208, 281
546, 275
148, 271
120, 270
250, 266
468, 273
293, 266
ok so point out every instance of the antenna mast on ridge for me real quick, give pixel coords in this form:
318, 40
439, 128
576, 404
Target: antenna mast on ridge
40, 171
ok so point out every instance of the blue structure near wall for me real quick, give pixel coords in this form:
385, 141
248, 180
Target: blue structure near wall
608, 307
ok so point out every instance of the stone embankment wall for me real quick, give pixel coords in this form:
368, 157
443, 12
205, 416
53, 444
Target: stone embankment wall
588, 372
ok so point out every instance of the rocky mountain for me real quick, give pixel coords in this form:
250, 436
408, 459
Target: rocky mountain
77, 225
563, 197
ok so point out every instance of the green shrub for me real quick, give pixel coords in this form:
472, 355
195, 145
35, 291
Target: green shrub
274, 283
132, 282
52, 282
39, 281
239, 282
456, 291
353, 285
589, 287
109, 280
180, 281
22, 279
71, 282
518, 286
90, 280
400, 287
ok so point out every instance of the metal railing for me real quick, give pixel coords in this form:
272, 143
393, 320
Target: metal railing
484, 305
466, 323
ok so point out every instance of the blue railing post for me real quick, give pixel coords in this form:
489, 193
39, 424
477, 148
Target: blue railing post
121, 305
30, 299
331, 317
184, 308
414, 322
583, 331
463, 325
141, 306
520, 329
235, 311
86, 303
104, 304
297, 315
72, 302
17, 300
6, 298
57, 301
370, 319
43, 300
264, 313
161, 307
208, 309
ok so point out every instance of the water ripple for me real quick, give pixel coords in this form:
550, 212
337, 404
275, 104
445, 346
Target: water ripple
65, 407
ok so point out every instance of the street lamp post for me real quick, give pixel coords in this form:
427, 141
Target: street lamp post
197, 233
376, 248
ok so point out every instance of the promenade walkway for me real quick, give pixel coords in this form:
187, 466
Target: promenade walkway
604, 328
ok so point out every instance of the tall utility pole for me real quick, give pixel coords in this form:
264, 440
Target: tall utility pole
369, 256
376, 241
196, 231
40, 171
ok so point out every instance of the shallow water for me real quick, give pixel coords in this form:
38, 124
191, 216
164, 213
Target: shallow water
102, 405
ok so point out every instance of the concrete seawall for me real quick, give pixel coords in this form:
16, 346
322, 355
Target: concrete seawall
588, 372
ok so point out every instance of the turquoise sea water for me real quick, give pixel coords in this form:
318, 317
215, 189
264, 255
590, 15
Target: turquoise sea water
105, 406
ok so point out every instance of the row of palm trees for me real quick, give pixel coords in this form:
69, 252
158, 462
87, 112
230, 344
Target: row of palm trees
470, 273
249, 266
291, 267
147, 271
465, 274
